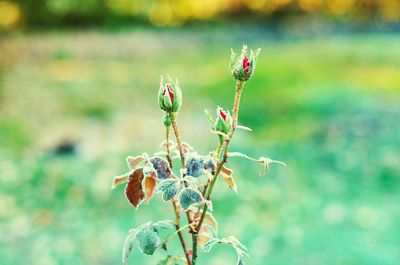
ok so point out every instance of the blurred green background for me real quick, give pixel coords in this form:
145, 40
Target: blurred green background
78, 85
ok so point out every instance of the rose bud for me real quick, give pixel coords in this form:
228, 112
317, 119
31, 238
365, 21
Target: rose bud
169, 96
242, 66
223, 123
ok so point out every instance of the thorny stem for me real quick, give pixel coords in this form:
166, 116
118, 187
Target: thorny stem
177, 214
235, 115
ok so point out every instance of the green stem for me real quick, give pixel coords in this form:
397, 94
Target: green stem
177, 214
182, 156
235, 116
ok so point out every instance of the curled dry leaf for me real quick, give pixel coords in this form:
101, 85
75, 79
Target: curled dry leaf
133, 162
133, 190
265, 161
226, 175
118, 180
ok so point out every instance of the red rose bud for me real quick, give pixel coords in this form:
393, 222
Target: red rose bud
242, 66
223, 123
169, 96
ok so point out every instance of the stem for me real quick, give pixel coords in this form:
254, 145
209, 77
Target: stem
177, 214
182, 156
235, 115
179, 231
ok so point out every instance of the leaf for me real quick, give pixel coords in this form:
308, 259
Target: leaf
241, 250
162, 167
265, 161
164, 224
172, 260
207, 233
225, 136
118, 180
209, 218
226, 175
169, 188
128, 246
189, 197
195, 167
133, 190
209, 116
133, 162
149, 184
147, 241
243, 128
208, 246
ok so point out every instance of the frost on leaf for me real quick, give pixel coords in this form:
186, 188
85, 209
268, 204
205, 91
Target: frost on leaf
164, 224
264, 161
118, 180
195, 167
169, 188
133, 190
162, 168
207, 233
189, 197
226, 175
147, 241
128, 246
133, 162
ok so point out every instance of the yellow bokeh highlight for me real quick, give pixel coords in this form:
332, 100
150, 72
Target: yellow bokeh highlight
310, 5
340, 7
10, 14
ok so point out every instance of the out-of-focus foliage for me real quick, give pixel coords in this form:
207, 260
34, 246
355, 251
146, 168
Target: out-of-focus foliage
25, 13
74, 105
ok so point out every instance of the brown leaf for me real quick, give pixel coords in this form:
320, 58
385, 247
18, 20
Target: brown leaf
226, 175
205, 235
118, 180
150, 186
209, 218
133, 190
133, 162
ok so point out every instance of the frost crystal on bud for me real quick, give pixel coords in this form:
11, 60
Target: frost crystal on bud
223, 122
162, 168
169, 95
242, 66
195, 167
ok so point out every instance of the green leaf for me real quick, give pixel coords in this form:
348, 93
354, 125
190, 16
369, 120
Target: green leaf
164, 224
147, 241
128, 246
208, 246
172, 260
169, 188
189, 197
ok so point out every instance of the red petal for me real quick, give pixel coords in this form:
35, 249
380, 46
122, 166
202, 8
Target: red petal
170, 93
222, 114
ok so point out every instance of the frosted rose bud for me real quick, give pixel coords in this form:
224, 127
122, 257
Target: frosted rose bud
242, 66
223, 123
169, 96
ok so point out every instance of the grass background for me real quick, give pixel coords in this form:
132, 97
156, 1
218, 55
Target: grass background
74, 104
